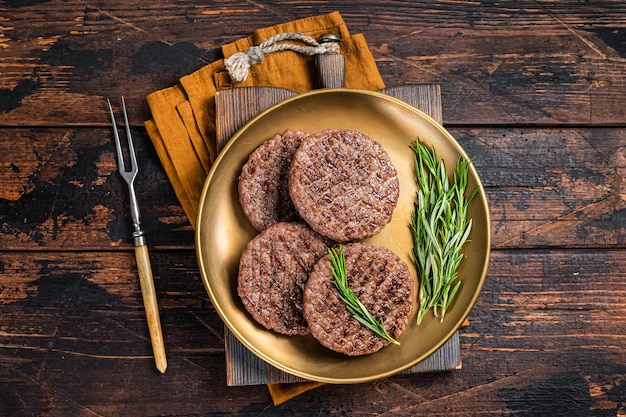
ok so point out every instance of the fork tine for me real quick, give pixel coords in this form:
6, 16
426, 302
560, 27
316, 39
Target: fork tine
128, 174
118, 144
131, 147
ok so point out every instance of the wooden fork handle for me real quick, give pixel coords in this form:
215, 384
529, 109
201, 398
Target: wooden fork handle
150, 304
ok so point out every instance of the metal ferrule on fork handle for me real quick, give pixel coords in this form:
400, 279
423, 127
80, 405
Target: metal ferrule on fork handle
139, 238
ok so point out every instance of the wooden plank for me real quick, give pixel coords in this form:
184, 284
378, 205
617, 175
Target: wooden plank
533, 90
96, 295
60, 186
547, 183
547, 331
244, 368
238, 105
512, 62
425, 97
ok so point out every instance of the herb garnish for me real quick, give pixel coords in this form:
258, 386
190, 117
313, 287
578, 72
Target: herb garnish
353, 305
440, 228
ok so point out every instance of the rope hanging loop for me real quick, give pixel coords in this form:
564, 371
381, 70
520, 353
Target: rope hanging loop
239, 64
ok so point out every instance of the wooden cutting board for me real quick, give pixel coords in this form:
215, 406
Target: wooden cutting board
233, 109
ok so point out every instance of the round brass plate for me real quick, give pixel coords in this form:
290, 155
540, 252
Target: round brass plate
223, 231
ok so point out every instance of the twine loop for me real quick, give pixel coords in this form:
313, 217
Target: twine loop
239, 64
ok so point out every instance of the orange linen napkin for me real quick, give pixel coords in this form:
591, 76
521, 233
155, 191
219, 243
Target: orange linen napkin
284, 392
183, 116
182, 127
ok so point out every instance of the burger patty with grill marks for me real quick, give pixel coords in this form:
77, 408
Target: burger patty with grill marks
273, 270
263, 182
343, 184
379, 279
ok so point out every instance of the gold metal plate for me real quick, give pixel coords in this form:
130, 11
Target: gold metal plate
223, 231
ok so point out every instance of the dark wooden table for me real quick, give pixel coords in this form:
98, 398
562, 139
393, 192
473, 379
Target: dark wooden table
535, 91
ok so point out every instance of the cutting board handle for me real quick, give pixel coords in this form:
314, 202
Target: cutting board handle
331, 66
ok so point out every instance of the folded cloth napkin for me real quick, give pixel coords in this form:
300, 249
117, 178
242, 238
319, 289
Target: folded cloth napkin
182, 127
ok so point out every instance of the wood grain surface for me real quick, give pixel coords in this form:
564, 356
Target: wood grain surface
534, 90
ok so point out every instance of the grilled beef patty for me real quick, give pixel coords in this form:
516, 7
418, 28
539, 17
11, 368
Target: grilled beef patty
380, 280
272, 272
263, 182
343, 184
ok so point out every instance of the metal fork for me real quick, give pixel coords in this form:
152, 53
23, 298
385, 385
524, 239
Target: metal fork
141, 249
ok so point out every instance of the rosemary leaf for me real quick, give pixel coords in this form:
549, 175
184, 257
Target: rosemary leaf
353, 304
440, 228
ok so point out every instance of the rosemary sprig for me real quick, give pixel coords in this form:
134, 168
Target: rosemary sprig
353, 305
440, 229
